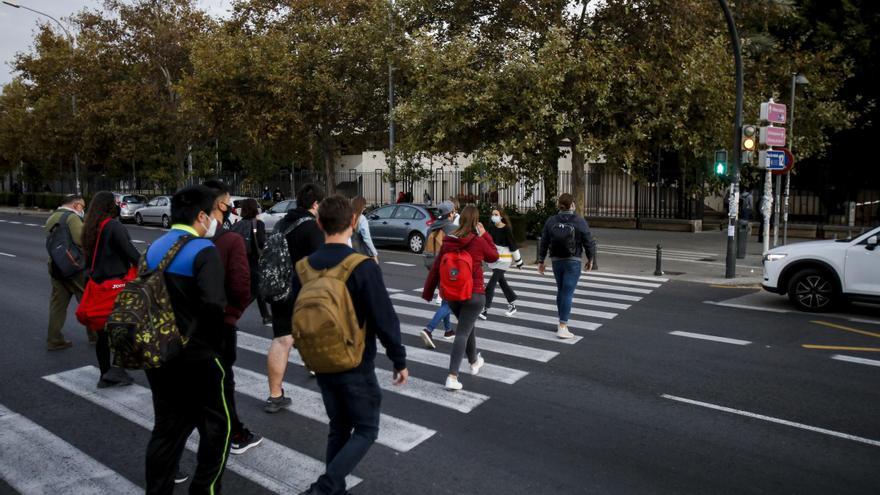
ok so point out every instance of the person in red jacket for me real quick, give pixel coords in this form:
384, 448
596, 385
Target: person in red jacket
472, 238
237, 283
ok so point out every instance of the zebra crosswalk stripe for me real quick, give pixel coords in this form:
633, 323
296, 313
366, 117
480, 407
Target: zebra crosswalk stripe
515, 350
578, 292
489, 371
35, 460
585, 281
603, 273
261, 466
497, 326
395, 433
463, 401
574, 310
552, 297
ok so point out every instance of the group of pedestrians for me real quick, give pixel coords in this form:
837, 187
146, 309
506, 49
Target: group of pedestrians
211, 275
331, 288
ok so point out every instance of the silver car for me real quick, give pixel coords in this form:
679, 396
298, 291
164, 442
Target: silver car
129, 204
271, 216
405, 224
157, 210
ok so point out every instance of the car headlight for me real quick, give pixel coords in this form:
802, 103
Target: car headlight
774, 256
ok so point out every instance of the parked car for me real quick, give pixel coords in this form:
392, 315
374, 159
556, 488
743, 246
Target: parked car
405, 224
129, 204
271, 216
157, 210
235, 215
819, 274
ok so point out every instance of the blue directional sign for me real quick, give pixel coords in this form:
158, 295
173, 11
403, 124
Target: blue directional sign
772, 159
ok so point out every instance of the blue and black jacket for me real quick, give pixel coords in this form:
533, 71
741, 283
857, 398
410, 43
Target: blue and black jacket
195, 285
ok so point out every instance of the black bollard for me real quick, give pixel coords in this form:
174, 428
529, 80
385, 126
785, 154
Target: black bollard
595, 254
658, 270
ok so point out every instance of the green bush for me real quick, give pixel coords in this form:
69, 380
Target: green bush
9, 199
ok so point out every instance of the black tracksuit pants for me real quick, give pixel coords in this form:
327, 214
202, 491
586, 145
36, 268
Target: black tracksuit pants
188, 395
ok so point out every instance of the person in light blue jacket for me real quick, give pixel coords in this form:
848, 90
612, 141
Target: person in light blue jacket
360, 238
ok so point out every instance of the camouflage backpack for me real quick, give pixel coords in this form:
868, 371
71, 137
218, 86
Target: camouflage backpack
275, 266
142, 328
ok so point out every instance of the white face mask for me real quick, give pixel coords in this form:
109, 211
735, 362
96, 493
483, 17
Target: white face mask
495, 218
211, 229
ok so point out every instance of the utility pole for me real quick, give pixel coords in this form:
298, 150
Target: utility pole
795, 80
730, 262
392, 164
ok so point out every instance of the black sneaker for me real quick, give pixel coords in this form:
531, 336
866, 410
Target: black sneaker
180, 477
267, 321
275, 404
449, 335
484, 314
244, 441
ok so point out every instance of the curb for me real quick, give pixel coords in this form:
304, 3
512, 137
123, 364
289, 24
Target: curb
33, 212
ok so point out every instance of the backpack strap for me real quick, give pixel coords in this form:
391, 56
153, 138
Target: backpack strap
172, 252
62, 221
305, 272
344, 269
297, 223
98, 241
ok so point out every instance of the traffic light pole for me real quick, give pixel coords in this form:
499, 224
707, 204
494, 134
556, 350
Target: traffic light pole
730, 262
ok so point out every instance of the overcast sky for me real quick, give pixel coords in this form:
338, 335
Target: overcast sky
17, 26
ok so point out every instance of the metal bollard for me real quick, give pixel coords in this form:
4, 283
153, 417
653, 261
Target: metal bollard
658, 270
595, 254
537, 248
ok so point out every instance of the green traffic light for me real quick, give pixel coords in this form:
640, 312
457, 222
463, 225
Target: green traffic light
719, 168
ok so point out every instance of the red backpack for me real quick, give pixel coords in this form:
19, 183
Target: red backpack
456, 276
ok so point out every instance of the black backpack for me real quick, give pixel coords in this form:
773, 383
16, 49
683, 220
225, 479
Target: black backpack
275, 266
563, 240
142, 328
248, 230
67, 257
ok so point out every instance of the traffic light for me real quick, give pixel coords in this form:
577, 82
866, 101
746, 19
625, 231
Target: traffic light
749, 137
721, 163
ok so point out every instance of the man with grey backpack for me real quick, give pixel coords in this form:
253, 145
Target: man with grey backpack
296, 236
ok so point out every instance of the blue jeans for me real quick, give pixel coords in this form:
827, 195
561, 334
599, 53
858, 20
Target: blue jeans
442, 313
567, 273
353, 402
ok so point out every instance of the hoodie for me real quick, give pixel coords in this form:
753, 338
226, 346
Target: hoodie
481, 248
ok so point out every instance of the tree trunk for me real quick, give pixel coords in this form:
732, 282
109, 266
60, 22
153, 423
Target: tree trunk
329, 166
578, 175
551, 179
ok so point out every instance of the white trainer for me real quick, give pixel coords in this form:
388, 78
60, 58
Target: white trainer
475, 366
511, 309
452, 383
563, 332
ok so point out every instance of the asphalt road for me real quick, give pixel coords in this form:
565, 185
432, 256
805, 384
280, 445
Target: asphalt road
628, 408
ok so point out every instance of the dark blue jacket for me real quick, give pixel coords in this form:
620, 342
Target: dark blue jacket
371, 304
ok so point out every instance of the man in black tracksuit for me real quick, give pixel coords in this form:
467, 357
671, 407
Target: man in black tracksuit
353, 398
188, 391
302, 241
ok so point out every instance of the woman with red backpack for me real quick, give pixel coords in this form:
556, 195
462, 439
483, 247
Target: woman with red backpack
458, 270
113, 260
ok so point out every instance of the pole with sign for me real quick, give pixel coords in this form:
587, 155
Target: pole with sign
771, 160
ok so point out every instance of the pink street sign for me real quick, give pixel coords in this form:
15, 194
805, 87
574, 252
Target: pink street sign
773, 136
773, 112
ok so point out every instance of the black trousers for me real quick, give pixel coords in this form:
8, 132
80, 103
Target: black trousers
227, 358
498, 278
188, 395
102, 351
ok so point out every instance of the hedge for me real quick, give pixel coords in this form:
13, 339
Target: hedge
44, 201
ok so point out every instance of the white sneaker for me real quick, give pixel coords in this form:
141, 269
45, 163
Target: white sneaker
563, 333
484, 314
452, 383
511, 309
438, 300
426, 338
475, 366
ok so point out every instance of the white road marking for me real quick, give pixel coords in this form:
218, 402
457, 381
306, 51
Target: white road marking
585, 281
394, 291
8, 255
607, 274
575, 311
14, 223
498, 326
489, 371
746, 306
857, 360
433, 392
33, 225
578, 292
515, 350
397, 263
519, 315
35, 460
138, 241
713, 338
552, 297
3, 221
771, 419
260, 465
397, 434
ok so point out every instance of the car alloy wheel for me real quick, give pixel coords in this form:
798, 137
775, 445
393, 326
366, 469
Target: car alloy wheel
165, 222
812, 290
416, 243
138, 219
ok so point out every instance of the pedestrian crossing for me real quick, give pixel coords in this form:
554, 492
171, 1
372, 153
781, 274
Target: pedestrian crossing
514, 347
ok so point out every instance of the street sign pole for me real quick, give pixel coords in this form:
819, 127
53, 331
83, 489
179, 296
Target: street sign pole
766, 208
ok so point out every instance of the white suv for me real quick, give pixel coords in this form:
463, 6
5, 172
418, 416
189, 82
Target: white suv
818, 274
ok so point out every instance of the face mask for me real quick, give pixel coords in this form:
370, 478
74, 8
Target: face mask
211, 229
496, 219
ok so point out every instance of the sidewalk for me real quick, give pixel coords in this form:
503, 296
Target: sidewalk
9, 210
695, 257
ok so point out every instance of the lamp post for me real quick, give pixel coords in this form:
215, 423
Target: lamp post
70, 70
393, 163
795, 80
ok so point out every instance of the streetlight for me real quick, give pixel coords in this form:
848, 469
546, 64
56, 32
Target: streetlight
796, 79
70, 69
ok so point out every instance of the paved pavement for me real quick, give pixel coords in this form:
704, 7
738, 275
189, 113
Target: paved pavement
671, 387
